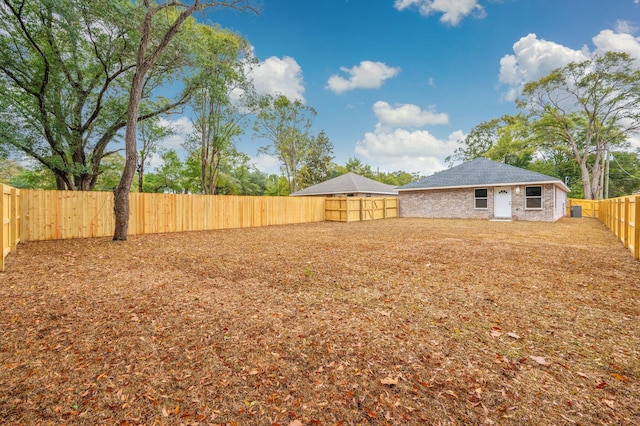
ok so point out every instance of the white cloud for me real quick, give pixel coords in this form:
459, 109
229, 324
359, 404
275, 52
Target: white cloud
624, 26
182, 128
266, 163
608, 40
533, 58
411, 151
395, 145
278, 76
453, 11
407, 115
367, 75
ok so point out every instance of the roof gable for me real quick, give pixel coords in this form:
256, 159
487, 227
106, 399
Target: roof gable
481, 172
349, 183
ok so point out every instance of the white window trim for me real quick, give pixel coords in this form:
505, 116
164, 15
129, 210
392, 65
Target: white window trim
480, 198
541, 198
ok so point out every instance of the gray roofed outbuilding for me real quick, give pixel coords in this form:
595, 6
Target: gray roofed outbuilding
349, 183
481, 172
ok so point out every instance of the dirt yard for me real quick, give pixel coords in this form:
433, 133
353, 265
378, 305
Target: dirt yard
402, 321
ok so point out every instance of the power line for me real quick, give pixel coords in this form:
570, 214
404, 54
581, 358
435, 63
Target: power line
622, 168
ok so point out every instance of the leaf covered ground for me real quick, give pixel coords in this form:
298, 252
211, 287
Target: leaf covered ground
403, 321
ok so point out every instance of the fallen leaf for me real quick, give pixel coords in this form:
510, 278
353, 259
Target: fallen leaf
601, 385
389, 381
539, 359
620, 377
295, 423
495, 333
608, 402
513, 335
452, 393
582, 375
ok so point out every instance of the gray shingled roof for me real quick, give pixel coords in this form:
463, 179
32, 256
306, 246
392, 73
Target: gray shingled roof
349, 183
481, 172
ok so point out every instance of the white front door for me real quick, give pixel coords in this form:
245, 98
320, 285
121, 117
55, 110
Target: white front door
502, 202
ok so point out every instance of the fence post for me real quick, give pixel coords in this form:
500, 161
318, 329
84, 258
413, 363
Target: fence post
2, 223
636, 223
13, 213
619, 215
611, 221
627, 225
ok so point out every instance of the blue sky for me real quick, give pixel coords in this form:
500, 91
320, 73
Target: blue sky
397, 82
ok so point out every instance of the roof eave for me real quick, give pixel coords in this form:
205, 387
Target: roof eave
342, 192
554, 182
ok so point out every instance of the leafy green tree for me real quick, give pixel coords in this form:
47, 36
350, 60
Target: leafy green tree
505, 139
239, 177
286, 125
319, 161
110, 172
589, 107
151, 133
160, 24
170, 176
33, 176
355, 165
64, 71
9, 169
623, 176
397, 178
218, 118
276, 185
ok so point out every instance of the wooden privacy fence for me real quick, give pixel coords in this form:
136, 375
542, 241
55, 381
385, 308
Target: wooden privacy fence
622, 216
350, 209
590, 208
10, 215
51, 215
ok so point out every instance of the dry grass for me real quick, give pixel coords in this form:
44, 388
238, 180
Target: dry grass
388, 322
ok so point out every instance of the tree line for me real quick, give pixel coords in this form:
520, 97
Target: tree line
575, 124
236, 176
79, 79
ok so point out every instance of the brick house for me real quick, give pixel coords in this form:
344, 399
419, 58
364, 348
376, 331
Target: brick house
348, 185
485, 189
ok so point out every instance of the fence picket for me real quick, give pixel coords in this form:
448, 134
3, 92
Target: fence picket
621, 215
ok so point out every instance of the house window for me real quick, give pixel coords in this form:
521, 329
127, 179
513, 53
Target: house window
533, 197
481, 198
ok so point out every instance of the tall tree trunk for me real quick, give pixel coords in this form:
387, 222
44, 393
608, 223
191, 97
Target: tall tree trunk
141, 176
144, 63
586, 181
121, 193
61, 185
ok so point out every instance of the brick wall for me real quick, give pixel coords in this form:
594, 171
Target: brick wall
544, 215
459, 204
444, 203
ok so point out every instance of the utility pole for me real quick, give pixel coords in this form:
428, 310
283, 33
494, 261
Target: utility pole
606, 175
